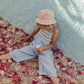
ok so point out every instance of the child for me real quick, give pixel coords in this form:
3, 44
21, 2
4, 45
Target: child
41, 46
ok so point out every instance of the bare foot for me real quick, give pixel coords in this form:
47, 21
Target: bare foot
0, 80
73, 81
81, 81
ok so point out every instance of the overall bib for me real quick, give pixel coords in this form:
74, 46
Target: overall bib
46, 63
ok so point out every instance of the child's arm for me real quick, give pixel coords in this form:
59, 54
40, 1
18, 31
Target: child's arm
54, 38
34, 32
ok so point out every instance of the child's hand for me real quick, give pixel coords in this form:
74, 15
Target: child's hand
23, 39
39, 50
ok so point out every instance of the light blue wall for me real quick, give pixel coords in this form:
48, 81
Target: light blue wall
68, 13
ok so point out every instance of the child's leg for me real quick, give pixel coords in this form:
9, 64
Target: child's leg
5, 56
54, 80
46, 66
73, 81
22, 54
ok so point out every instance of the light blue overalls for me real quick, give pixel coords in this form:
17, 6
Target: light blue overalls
46, 63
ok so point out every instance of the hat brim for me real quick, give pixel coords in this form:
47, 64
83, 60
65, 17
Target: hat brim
45, 22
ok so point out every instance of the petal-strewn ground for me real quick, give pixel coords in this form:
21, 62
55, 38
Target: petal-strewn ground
26, 72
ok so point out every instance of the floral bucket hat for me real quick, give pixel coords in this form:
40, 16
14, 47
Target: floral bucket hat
46, 17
